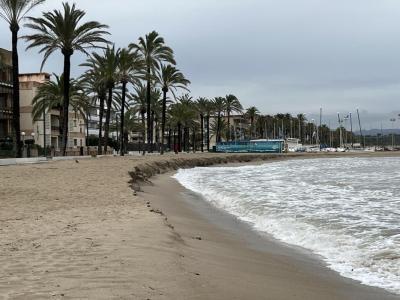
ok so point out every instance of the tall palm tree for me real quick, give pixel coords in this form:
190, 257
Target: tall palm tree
202, 106
182, 114
139, 103
13, 12
111, 61
219, 107
252, 113
140, 106
232, 104
130, 70
63, 30
154, 51
170, 79
93, 83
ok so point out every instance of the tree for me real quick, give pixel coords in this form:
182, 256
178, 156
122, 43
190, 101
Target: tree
13, 11
154, 51
93, 82
130, 70
252, 113
110, 65
63, 30
140, 103
202, 106
219, 107
170, 79
182, 114
232, 104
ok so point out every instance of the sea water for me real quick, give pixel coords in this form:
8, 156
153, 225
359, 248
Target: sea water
346, 210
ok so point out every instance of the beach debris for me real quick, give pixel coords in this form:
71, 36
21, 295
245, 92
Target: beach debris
157, 211
199, 238
77, 161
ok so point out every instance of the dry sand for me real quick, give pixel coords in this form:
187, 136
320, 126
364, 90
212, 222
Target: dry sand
73, 230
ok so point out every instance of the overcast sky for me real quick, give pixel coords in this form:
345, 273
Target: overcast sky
278, 55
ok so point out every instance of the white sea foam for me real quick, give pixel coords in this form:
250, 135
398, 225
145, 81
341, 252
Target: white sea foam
347, 210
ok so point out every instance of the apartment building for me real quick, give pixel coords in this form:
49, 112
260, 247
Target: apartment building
46, 130
5, 95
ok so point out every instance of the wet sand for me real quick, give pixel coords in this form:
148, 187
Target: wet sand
75, 230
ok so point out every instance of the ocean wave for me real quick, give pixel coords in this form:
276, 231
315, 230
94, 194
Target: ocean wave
345, 210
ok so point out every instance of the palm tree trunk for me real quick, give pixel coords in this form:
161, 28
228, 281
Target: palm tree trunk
194, 139
143, 131
218, 139
169, 139
202, 132
151, 131
15, 79
229, 126
101, 114
208, 133
65, 112
164, 109
174, 146
108, 117
179, 137
87, 129
122, 131
148, 99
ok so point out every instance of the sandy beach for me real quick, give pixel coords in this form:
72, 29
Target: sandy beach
77, 230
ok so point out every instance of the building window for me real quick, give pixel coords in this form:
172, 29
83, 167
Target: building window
75, 124
75, 142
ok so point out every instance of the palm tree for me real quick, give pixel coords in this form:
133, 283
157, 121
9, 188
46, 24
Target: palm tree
156, 112
140, 106
252, 113
219, 107
220, 129
171, 79
232, 105
182, 114
93, 82
13, 11
202, 105
63, 30
130, 70
154, 51
111, 61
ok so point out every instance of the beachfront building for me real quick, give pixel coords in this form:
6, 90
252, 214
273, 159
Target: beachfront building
34, 129
5, 95
94, 121
239, 129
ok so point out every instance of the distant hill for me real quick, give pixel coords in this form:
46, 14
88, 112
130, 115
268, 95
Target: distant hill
378, 131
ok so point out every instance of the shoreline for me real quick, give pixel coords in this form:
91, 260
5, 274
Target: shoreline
230, 251
73, 230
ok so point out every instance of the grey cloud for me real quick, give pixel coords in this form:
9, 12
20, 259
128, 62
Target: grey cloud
281, 56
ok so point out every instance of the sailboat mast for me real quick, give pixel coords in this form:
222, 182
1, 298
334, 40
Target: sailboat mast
361, 135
